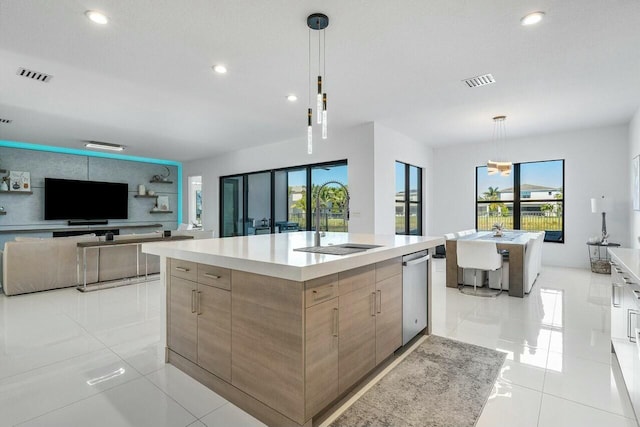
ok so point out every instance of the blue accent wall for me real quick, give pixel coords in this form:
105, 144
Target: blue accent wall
27, 211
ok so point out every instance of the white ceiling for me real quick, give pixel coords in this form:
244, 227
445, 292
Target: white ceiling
145, 80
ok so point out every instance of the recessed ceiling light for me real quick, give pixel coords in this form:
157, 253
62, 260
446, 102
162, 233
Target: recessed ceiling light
220, 69
532, 18
97, 17
292, 98
104, 146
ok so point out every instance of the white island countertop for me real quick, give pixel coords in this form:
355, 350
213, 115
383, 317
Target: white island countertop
274, 255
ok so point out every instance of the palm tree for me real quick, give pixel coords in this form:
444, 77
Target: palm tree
491, 194
497, 208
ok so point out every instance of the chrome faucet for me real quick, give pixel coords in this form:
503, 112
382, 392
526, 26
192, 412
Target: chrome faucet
346, 208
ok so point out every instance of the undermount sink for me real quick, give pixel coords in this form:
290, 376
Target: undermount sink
342, 249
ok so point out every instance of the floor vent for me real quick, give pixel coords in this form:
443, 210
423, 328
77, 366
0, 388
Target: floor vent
34, 75
5, 121
485, 79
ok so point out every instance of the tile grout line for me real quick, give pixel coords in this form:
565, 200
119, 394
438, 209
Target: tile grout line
177, 403
584, 404
74, 402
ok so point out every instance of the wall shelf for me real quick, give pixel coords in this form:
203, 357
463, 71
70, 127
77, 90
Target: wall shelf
160, 182
161, 212
3, 212
146, 196
16, 192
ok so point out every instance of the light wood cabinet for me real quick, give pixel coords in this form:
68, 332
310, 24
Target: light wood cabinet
357, 334
267, 341
214, 330
388, 317
199, 320
321, 355
288, 348
183, 321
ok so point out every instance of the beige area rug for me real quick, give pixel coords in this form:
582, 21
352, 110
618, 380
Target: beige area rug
442, 383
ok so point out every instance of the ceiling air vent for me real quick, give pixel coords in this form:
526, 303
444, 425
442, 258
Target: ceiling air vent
485, 79
34, 75
5, 121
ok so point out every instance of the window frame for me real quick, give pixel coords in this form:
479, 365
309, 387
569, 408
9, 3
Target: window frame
407, 199
518, 201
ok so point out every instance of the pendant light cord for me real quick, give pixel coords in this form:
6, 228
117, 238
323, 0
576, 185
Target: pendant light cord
309, 67
324, 55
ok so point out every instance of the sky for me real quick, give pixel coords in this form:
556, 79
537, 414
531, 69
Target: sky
547, 174
320, 176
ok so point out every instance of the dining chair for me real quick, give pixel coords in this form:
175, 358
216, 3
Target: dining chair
479, 255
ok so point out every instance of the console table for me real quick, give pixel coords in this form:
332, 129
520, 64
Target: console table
83, 246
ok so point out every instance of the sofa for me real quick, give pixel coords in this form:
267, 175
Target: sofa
34, 264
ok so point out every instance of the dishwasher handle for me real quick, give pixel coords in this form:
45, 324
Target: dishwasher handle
416, 261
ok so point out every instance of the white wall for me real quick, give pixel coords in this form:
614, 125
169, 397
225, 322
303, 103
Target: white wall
634, 150
596, 163
354, 144
392, 146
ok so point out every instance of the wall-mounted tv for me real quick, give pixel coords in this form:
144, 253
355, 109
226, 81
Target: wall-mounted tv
73, 199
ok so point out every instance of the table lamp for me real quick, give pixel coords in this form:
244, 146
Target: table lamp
602, 205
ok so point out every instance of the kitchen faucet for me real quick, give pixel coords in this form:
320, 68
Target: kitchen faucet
346, 208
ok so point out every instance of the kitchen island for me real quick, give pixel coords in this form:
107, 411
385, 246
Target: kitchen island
282, 333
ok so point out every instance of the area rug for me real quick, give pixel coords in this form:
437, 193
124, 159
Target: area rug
442, 383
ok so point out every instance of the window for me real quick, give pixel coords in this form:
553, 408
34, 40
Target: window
276, 200
408, 199
531, 198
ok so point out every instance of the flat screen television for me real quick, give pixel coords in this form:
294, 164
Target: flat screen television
73, 199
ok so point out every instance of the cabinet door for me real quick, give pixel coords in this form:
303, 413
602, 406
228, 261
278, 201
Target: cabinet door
214, 330
388, 317
321, 356
357, 332
183, 322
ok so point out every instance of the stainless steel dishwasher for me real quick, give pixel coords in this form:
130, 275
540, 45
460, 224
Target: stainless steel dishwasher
414, 294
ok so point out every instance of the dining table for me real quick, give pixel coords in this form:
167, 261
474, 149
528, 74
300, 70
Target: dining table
512, 242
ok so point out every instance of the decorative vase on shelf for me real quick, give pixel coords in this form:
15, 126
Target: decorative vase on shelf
141, 190
4, 186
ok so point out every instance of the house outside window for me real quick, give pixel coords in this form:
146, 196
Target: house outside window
531, 198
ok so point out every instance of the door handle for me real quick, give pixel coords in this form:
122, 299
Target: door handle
212, 276
372, 303
193, 300
379, 301
613, 295
631, 312
184, 270
335, 322
198, 298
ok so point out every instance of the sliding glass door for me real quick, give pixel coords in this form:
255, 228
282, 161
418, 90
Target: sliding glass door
277, 201
259, 218
232, 206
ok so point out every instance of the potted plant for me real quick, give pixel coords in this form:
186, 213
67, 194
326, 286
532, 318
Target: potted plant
497, 229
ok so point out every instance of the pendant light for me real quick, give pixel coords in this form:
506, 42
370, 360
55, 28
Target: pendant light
499, 136
318, 22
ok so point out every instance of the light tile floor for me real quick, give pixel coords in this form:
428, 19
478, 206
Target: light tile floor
68, 358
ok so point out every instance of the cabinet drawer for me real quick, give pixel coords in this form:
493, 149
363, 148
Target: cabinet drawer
388, 268
214, 276
320, 290
183, 269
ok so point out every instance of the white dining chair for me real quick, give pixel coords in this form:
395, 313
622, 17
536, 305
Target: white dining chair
479, 255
